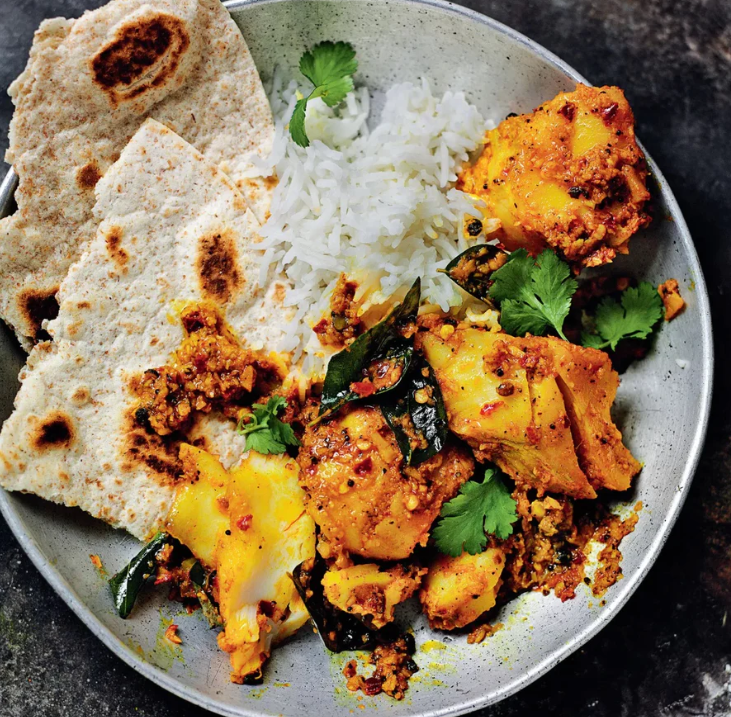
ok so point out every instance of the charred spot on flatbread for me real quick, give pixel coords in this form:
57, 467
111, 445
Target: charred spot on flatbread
143, 54
54, 431
88, 175
143, 447
217, 266
113, 241
36, 305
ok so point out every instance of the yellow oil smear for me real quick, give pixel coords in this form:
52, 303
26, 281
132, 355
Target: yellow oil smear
177, 306
432, 645
165, 653
257, 693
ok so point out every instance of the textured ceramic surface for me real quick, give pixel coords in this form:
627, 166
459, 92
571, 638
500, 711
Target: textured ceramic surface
662, 408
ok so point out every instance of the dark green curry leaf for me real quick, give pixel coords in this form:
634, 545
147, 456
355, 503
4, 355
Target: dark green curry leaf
354, 373
339, 630
418, 418
472, 269
127, 583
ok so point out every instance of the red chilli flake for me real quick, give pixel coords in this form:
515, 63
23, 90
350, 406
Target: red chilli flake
372, 686
244, 522
568, 111
490, 408
363, 388
365, 466
608, 113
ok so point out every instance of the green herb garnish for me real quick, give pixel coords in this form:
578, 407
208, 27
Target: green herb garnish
382, 342
330, 66
477, 509
534, 294
264, 432
471, 270
632, 317
421, 428
127, 583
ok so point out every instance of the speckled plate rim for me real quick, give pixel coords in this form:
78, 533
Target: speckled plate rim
626, 587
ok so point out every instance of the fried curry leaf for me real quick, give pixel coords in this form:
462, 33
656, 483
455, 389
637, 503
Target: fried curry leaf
634, 316
127, 583
352, 373
477, 509
330, 66
533, 294
472, 270
264, 432
339, 630
418, 418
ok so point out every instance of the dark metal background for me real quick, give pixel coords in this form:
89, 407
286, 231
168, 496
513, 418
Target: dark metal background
668, 653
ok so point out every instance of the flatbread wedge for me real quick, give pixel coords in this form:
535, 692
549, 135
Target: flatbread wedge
173, 229
88, 86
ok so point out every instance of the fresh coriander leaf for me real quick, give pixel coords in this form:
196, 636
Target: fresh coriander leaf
333, 92
477, 509
297, 124
533, 294
264, 432
518, 318
512, 280
592, 341
328, 61
265, 443
554, 286
330, 66
634, 317
283, 433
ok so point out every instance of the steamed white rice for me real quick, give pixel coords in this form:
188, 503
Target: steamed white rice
379, 206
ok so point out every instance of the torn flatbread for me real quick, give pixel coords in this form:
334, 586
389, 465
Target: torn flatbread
88, 86
163, 210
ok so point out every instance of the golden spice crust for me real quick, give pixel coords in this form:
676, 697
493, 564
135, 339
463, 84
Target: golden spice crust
344, 322
210, 370
394, 667
456, 591
370, 591
364, 499
672, 300
588, 384
507, 408
569, 176
611, 532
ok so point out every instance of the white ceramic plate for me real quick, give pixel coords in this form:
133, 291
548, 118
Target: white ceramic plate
662, 408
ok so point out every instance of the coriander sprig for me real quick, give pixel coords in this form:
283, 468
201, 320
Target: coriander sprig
264, 432
632, 317
534, 294
330, 66
478, 509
